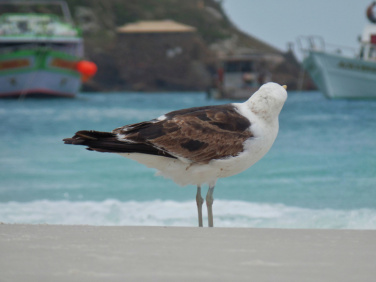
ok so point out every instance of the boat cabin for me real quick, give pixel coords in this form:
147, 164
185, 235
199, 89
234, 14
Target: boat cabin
30, 31
368, 43
240, 75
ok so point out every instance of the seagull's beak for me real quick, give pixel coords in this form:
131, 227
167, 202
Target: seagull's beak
284, 86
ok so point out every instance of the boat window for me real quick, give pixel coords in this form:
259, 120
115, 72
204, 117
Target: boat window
238, 66
231, 67
246, 66
372, 52
361, 53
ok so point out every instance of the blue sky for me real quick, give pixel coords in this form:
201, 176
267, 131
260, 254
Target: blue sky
278, 22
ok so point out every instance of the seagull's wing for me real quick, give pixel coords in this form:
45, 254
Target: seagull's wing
197, 135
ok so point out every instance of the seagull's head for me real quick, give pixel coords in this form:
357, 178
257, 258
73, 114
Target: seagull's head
267, 102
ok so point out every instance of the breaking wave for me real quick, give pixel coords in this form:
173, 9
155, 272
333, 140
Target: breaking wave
173, 213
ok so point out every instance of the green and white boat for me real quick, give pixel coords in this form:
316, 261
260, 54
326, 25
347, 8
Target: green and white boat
39, 53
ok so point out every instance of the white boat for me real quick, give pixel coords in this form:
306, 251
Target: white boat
40, 54
338, 74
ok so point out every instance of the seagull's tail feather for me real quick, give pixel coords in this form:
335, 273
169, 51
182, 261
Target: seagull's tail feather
108, 142
96, 141
84, 136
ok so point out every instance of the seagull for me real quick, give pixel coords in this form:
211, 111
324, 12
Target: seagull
196, 146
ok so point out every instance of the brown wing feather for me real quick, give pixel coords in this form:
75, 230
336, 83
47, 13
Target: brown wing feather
197, 134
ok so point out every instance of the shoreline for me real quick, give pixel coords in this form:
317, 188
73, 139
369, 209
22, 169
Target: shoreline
127, 253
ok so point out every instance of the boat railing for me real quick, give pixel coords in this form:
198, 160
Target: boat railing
74, 48
342, 50
309, 43
317, 43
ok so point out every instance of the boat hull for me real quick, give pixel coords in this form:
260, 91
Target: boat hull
42, 73
341, 77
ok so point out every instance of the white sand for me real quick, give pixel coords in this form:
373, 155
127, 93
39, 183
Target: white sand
88, 253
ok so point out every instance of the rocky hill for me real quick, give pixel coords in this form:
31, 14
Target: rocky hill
99, 21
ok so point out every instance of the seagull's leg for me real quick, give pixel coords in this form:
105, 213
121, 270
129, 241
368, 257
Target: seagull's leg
209, 204
199, 201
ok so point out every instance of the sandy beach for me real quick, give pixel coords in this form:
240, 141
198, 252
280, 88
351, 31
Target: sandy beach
91, 253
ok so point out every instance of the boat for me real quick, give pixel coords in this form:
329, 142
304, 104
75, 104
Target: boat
41, 54
238, 76
340, 72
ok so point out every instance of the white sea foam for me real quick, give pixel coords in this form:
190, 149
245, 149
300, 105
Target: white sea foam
172, 213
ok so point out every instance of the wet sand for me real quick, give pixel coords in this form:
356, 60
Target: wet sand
91, 253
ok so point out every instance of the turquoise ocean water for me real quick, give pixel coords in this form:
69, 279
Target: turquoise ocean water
320, 173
